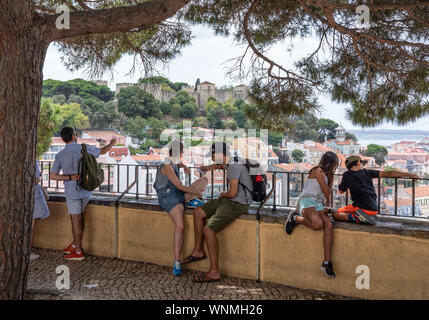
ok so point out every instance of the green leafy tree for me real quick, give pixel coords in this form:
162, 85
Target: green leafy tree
215, 114
154, 129
106, 117
73, 116
59, 99
50, 120
231, 124
351, 136
240, 117
165, 108
159, 79
326, 128
298, 155
275, 138
201, 122
378, 152
229, 107
176, 111
133, 101
136, 127
189, 110
80, 87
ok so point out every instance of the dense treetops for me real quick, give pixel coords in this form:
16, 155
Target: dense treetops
136, 112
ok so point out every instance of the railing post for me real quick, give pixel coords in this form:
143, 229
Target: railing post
302, 181
413, 197
379, 195
136, 174
128, 175
212, 184
49, 173
396, 196
147, 180
108, 177
41, 172
274, 186
288, 189
119, 172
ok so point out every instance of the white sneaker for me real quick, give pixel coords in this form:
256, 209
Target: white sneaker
34, 256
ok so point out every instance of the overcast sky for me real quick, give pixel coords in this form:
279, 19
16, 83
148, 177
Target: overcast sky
206, 58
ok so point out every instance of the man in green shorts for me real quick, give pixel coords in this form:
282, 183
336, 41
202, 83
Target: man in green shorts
222, 211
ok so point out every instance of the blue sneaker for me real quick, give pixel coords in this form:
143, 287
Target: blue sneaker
177, 269
194, 203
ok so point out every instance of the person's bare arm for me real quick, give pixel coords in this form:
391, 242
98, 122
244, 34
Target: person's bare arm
168, 171
62, 177
185, 167
232, 191
212, 167
396, 174
106, 148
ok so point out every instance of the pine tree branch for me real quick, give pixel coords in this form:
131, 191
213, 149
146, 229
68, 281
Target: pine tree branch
119, 19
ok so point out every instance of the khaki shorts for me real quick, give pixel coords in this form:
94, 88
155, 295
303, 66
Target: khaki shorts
222, 211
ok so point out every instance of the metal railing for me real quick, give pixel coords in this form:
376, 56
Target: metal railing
288, 185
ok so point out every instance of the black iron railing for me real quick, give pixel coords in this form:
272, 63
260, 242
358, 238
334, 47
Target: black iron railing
287, 184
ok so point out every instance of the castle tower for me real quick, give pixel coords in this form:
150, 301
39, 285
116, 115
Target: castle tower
340, 133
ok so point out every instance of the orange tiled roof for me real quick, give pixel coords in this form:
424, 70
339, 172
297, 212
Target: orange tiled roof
346, 142
401, 202
105, 135
421, 191
148, 157
319, 147
294, 166
59, 141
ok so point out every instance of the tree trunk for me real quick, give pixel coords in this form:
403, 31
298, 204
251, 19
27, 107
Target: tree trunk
22, 54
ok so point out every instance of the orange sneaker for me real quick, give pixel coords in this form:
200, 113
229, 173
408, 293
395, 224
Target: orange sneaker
78, 256
69, 249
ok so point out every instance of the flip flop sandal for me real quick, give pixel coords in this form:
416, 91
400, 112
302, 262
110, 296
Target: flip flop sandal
189, 259
205, 279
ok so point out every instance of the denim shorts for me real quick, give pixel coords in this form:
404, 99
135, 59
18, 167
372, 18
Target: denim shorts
170, 197
308, 202
76, 206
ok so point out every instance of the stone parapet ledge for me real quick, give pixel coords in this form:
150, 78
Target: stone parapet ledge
405, 226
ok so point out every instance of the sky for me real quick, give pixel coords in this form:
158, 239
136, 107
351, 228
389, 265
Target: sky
207, 59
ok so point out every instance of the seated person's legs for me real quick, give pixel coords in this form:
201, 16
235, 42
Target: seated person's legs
200, 214
226, 212
176, 214
311, 218
308, 207
346, 213
355, 214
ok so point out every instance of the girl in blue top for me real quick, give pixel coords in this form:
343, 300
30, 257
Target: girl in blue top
172, 195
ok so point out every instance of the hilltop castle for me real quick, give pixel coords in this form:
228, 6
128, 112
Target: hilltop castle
200, 92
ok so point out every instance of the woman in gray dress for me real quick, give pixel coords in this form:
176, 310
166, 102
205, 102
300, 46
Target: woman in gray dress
40, 211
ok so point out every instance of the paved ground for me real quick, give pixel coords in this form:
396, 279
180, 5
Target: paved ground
120, 279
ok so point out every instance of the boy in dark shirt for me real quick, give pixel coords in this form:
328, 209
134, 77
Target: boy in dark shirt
359, 181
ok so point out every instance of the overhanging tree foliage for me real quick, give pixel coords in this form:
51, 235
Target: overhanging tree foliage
381, 72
